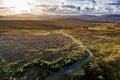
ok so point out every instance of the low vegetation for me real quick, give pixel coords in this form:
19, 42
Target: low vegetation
37, 50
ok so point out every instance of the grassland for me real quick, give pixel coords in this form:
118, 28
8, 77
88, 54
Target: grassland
35, 50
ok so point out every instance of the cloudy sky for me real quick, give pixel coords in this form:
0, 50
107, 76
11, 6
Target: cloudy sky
38, 7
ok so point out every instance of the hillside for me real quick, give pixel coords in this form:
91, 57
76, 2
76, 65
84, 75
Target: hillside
36, 50
107, 17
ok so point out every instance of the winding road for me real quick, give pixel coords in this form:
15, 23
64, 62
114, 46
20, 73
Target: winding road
76, 66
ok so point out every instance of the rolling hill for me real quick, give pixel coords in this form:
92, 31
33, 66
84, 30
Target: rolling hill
27, 16
109, 17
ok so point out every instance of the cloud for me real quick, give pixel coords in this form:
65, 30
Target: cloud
47, 7
78, 9
69, 6
5, 11
57, 9
3, 8
115, 3
1, 2
50, 8
82, 6
100, 6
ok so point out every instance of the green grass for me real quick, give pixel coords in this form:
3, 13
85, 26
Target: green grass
57, 51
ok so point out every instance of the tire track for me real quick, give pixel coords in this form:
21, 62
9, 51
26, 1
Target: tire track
76, 66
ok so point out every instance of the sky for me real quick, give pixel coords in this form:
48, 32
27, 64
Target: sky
68, 7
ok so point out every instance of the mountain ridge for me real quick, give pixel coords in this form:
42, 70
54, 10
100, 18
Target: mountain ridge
27, 16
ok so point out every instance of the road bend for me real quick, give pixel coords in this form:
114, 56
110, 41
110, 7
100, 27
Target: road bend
76, 66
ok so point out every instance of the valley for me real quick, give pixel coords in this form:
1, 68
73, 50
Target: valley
36, 50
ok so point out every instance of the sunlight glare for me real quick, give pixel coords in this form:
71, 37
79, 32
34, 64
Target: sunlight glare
19, 6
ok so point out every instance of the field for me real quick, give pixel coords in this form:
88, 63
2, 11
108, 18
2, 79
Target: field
35, 50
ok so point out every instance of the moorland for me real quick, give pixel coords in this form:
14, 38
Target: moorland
36, 49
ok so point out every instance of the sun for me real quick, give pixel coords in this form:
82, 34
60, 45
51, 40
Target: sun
21, 9
19, 6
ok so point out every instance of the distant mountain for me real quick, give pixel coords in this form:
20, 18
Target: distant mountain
23, 15
85, 16
2, 16
109, 17
28, 16
81, 17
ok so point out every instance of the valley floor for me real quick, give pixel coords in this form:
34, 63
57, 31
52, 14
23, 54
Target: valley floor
36, 53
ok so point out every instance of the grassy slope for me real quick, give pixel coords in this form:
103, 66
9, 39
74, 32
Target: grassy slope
101, 38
